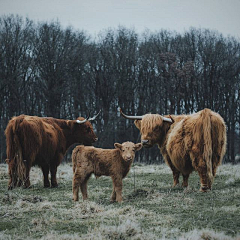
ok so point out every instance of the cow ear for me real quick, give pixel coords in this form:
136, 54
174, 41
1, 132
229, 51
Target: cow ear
7, 161
138, 123
138, 146
118, 146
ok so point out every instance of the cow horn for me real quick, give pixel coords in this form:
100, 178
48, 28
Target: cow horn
88, 119
140, 117
130, 117
167, 119
94, 117
81, 121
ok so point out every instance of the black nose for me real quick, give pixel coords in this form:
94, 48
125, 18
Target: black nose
144, 142
95, 139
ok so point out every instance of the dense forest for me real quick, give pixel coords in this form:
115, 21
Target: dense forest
48, 70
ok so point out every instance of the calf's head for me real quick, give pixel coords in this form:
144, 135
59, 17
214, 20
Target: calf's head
128, 150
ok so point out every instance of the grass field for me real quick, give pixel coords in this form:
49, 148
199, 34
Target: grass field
151, 208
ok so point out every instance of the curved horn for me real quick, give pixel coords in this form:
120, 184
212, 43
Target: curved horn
130, 117
81, 121
94, 117
167, 119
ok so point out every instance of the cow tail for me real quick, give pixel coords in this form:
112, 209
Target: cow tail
74, 157
14, 149
21, 167
75, 152
207, 141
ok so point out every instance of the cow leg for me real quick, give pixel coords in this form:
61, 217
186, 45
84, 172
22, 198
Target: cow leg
53, 170
175, 172
19, 183
12, 182
117, 185
26, 183
205, 182
45, 170
216, 161
202, 172
113, 196
185, 180
176, 175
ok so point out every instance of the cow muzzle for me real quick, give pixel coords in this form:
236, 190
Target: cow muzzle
146, 143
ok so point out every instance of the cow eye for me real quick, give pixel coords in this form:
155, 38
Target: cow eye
88, 129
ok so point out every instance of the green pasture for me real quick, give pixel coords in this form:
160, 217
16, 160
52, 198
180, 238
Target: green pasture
151, 209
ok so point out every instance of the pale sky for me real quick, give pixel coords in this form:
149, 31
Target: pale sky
96, 15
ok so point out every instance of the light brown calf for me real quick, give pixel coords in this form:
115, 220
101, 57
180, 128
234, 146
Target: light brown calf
115, 163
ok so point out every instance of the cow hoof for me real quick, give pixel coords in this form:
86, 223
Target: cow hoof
54, 185
26, 186
204, 189
175, 185
46, 184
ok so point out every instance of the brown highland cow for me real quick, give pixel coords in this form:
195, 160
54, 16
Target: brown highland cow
187, 142
115, 163
33, 140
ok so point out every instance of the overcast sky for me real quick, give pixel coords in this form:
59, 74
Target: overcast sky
96, 15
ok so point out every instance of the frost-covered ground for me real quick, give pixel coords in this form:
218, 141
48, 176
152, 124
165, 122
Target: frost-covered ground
151, 208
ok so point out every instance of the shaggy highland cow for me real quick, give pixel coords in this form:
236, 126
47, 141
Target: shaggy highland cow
187, 142
115, 163
33, 140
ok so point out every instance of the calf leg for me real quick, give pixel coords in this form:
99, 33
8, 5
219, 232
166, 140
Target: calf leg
45, 170
83, 186
75, 186
117, 186
80, 179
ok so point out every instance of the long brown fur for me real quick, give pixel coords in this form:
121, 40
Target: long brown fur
191, 142
33, 140
115, 163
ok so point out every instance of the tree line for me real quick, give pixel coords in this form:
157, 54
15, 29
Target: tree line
48, 70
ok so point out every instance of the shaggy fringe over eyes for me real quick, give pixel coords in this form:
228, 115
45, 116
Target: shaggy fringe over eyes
150, 121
